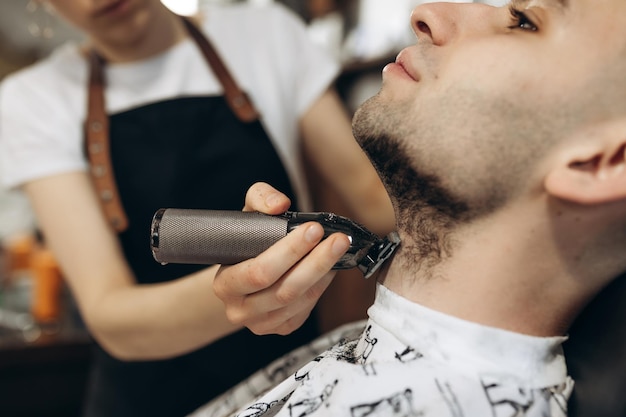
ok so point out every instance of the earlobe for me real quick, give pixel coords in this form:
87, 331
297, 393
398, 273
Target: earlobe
596, 178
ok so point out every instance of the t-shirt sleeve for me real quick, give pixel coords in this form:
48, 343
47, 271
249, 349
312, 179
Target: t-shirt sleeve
39, 135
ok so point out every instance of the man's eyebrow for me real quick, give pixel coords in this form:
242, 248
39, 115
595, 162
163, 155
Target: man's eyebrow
561, 4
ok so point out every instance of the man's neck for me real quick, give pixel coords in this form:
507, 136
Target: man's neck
501, 273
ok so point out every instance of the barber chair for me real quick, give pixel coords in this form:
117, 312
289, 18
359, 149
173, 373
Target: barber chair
596, 355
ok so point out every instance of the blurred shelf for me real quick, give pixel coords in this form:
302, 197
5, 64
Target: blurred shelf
46, 376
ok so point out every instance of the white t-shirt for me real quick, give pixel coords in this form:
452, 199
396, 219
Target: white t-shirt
266, 49
408, 360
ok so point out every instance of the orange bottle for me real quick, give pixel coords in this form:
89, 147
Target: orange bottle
47, 285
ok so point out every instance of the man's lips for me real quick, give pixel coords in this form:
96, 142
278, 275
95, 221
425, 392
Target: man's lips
404, 63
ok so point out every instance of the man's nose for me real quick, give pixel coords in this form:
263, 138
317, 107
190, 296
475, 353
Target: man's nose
443, 23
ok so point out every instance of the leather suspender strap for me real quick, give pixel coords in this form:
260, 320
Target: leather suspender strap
96, 128
238, 101
98, 149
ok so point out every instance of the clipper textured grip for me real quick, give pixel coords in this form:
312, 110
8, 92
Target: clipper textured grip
212, 236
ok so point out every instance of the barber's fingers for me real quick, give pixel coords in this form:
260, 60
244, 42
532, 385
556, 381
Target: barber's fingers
262, 314
305, 282
264, 198
277, 290
287, 319
264, 270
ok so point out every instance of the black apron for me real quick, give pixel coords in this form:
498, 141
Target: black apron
187, 152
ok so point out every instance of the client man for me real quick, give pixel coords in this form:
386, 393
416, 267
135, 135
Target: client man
501, 137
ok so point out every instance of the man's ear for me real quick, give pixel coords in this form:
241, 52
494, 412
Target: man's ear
595, 170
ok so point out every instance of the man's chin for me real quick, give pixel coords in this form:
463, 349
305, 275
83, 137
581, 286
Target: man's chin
365, 121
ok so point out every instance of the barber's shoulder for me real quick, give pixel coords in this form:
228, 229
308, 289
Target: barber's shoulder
63, 66
39, 88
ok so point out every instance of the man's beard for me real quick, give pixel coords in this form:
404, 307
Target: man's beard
426, 212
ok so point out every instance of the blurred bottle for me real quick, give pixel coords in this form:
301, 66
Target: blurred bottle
19, 250
17, 285
46, 289
32, 282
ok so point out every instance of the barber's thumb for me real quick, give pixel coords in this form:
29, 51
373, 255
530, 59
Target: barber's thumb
264, 198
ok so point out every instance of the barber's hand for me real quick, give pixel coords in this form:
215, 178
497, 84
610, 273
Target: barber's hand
276, 291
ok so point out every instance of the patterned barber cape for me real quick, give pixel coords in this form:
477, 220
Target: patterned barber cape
407, 360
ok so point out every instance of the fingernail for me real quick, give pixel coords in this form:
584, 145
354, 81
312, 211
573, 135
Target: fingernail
313, 233
340, 246
272, 200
